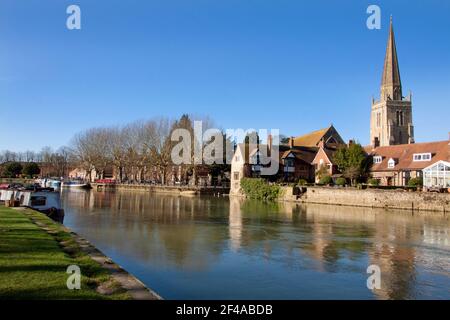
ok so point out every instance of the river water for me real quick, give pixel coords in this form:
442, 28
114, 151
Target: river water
222, 248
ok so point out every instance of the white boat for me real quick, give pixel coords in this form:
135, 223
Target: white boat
49, 183
43, 200
75, 184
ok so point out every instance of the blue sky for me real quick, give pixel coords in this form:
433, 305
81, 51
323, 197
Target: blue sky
293, 65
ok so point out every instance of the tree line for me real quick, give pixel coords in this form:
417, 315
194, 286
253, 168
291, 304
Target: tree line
138, 151
135, 152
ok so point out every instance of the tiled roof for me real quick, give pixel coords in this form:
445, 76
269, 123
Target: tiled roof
306, 154
310, 139
403, 154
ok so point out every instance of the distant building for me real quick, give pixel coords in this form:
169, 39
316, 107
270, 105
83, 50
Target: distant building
391, 117
396, 165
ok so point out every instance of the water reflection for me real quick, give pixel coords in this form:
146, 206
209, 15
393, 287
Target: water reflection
209, 247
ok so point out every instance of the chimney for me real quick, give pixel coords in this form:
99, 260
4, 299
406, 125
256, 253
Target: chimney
291, 142
350, 142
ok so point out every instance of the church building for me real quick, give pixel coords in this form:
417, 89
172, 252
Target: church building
391, 120
396, 156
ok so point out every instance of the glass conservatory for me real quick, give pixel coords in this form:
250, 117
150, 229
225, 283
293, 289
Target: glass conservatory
437, 175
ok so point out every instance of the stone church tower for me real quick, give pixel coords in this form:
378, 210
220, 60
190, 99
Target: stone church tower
391, 116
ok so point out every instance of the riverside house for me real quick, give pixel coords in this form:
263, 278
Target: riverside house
299, 159
396, 165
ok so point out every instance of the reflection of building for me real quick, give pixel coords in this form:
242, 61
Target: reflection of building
396, 260
235, 223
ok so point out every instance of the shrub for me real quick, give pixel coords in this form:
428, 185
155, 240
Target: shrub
373, 182
257, 188
302, 182
341, 181
326, 180
415, 182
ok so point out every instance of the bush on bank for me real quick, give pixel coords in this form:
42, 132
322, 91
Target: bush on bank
257, 188
415, 182
341, 181
326, 180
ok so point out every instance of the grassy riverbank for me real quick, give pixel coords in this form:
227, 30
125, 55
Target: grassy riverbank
34, 255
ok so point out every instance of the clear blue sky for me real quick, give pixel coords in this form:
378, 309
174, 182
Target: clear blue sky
293, 65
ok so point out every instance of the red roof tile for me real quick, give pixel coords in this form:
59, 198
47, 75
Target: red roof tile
403, 154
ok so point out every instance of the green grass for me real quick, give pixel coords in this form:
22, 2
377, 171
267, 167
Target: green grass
33, 262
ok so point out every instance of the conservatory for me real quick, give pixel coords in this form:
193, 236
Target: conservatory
437, 175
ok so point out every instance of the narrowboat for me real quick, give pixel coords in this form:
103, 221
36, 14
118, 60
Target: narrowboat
44, 200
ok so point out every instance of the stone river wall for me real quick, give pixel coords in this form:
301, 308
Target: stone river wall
374, 198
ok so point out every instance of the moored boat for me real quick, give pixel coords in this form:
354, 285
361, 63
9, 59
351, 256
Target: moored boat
44, 200
49, 183
75, 184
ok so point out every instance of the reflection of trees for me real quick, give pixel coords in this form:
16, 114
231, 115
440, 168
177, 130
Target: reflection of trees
169, 230
192, 233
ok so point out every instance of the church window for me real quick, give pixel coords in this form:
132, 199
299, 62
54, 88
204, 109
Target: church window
400, 118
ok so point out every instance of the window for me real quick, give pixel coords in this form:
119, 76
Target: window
422, 157
38, 201
237, 158
400, 118
236, 176
391, 163
377, 159
437, 175
378, 119
289, 162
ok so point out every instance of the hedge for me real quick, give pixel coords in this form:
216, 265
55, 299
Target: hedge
257, 188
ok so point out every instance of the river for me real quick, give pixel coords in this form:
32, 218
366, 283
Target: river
222, 248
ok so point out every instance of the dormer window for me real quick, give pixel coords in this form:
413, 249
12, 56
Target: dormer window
377, 159
422, 156
391, 163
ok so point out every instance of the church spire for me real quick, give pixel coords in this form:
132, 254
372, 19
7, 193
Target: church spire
391, 86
